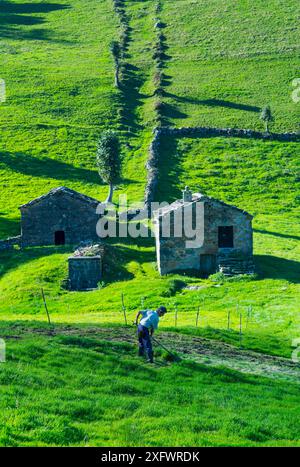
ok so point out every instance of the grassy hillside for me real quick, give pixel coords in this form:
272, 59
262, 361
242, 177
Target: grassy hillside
60, 95
227, 59
49, 137
105, 396
224, 60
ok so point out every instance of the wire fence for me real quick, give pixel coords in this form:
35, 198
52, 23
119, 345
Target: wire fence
54, 309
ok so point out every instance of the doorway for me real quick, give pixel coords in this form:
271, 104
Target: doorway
208, 264
59, 237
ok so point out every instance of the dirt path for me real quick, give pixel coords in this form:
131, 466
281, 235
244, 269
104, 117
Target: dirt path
205, 351
210, 352
216, 353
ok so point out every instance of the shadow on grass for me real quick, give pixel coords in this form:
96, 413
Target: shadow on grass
15, 15
12, 259
131, 98
277, 234
215, 103
170, 171
273, 267
9, 227
51, 168
9, 8
130, 241
48, 168
170, 111
115, 260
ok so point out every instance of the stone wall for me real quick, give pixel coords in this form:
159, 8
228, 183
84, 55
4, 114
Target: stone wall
85, 272
199, 132
207, 132
8, 243
152, 169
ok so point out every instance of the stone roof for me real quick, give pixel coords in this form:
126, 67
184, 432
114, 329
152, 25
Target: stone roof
63, 190
196, 197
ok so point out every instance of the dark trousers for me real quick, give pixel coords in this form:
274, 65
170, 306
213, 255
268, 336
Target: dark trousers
144, 342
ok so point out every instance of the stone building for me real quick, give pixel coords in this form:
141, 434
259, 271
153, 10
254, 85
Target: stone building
62, 216
203, 234
85, 272
85, 267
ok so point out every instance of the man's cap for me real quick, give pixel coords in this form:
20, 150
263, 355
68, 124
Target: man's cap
162, 309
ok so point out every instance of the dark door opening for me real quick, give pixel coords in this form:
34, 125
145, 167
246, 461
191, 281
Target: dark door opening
225, 237
59, 237
207, 265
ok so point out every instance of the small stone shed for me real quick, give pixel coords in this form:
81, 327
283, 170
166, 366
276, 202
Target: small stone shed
62, 216
225, 231
84, 272
85, 267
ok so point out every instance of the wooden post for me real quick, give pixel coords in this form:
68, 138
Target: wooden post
240, 328
45, 305
197, 318
124, 310
176, 313
249, 312
228, 320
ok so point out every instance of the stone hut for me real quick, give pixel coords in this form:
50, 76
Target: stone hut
62, 216
203, 234
85, 267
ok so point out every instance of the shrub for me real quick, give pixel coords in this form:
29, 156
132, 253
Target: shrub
174, 286
217, 277
220, 278
267, 117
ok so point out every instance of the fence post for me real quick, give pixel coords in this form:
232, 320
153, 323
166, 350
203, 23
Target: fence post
124, 310
228, 320
197, 317
176, 313
249, 313
45, 305
241, 329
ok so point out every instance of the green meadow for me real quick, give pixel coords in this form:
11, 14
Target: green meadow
82, 391
223, 61
227, 59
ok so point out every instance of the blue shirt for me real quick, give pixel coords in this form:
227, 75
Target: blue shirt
149, 319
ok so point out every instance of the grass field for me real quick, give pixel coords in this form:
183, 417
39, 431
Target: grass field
228, 59
105, 396
224, 61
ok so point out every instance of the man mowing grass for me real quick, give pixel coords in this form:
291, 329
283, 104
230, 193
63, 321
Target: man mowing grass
146, 327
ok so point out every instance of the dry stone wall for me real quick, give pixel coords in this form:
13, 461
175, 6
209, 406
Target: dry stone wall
199, 132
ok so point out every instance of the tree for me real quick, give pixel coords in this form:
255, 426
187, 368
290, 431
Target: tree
108, 160
267, 117
116, 52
